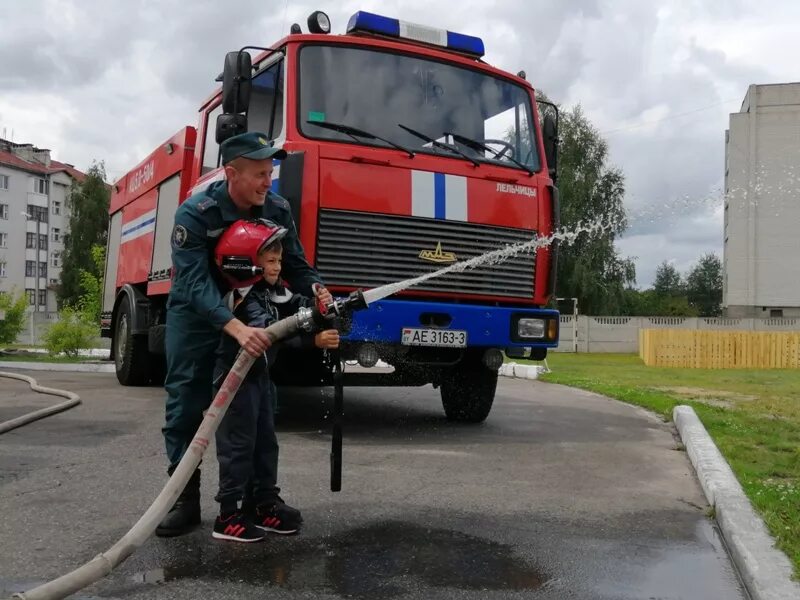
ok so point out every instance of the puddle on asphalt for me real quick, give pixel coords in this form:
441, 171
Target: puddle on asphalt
153, 576
701, 569
380, 561
75, 433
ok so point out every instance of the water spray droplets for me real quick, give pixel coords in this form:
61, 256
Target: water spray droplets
498, 256
767, 189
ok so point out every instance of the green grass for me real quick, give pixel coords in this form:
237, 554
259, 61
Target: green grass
753, 416
46, 358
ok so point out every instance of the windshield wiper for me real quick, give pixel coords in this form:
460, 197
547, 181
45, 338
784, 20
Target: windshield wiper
476, 145
355, 133
438, 144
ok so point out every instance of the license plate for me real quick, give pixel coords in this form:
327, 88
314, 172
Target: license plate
448, 338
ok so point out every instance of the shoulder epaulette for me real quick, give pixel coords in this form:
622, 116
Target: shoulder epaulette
279, 201
206, 203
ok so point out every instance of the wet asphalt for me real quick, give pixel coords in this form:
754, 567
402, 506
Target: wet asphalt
560, 494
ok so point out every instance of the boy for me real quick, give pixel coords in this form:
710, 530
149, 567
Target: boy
247, 448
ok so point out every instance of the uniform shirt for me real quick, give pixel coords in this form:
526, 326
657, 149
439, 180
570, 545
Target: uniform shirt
260, 306
197, 286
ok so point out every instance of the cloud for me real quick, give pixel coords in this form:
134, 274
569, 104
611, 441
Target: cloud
680, 241
99, 80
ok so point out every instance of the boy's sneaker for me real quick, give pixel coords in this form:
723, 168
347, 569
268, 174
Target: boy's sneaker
237, 528
249, 505
278, 518
291, 513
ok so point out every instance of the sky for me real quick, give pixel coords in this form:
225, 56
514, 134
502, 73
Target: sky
110, 79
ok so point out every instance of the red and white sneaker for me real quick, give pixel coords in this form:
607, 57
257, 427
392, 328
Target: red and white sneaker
278, 518
237, 528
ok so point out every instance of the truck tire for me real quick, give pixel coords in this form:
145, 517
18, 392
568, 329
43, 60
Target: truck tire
468, 393
131, 356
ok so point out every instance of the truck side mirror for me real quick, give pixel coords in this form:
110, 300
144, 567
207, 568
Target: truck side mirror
236, 82
230, 125
550, 139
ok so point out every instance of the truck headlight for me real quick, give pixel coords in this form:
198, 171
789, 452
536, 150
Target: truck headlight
531, 328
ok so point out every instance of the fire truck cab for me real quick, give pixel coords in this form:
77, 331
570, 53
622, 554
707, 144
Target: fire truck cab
407, 152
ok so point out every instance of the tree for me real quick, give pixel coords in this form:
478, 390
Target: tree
648, 303
668, 281
88, 225
90, 302
592, 192
14, 308
78, 324
704, 286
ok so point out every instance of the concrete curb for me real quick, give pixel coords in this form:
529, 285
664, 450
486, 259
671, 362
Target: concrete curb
513, 369
60, 367
765, 570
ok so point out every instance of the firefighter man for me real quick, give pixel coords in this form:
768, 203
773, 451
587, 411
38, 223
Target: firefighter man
196, 312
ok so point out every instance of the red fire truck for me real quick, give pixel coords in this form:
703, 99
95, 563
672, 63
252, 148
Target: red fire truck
406, 152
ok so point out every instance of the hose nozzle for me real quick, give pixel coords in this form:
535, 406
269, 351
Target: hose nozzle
355, 301
315, 319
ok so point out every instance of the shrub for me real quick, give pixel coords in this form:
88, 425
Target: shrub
14, 307
72, 332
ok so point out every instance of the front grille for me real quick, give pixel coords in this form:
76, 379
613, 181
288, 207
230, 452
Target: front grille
369, 249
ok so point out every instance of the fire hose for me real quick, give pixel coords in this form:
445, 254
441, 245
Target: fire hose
307, 320
71, 400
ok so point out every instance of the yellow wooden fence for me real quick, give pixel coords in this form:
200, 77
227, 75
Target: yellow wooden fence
706, 349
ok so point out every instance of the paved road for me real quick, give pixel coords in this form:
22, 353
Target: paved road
560, 494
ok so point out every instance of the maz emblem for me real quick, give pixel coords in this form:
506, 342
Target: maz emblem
437, 255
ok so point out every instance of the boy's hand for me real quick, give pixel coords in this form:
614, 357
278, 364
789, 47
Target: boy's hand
327, 340
324, 297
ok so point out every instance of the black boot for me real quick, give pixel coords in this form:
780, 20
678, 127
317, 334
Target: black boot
185, 514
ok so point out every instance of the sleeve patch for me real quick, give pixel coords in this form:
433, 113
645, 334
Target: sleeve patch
179, 236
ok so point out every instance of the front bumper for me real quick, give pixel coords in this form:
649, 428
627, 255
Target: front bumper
486, 326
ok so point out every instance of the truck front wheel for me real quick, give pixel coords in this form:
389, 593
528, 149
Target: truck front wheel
468, 392
130, 351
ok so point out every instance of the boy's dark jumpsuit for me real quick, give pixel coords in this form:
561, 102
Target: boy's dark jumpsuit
247, 447
196, 315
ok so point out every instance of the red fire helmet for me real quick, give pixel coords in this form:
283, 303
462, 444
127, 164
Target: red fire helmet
237, 250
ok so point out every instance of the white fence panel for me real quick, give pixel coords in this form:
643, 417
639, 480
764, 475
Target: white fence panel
621, 334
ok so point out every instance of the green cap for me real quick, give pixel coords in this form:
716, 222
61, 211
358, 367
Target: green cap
253, 145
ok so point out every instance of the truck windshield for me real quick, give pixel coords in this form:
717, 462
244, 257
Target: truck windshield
378, 91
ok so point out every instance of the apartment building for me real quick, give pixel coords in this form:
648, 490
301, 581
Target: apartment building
34, 218
761, 259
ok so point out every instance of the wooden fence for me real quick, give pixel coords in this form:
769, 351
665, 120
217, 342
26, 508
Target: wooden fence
719, 349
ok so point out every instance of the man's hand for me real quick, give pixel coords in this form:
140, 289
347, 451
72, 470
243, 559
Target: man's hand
327, 340
253, 339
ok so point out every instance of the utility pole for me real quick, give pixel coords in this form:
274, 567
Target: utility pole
30, 217
38, 259
574, 321
36, 262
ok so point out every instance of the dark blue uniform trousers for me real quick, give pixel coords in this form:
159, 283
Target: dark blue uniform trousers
190, 345
247, 447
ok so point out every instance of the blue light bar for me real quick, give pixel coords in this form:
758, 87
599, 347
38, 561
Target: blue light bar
363, 21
